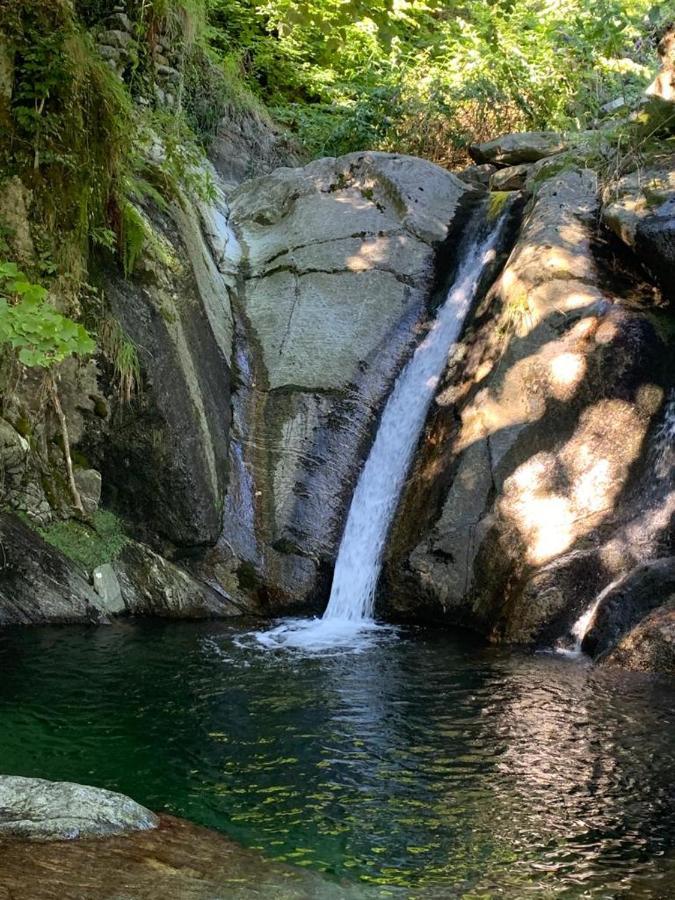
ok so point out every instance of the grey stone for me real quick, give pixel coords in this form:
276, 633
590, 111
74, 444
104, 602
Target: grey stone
88, 482
38, 584
108, 589
152, 586
649, 646
521, 147
37, 810
339, 266
628, 602
477, 174
166, 459
512, 178
115, 37
515, 517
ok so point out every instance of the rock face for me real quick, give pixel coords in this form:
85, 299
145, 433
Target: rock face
152, 586
640, 209
37, 583
523, 147
248, 145
338, 259
650, 646
626, 603
534, 487
37, 810
165, 459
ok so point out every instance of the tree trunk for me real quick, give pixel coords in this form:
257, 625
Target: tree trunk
77, 500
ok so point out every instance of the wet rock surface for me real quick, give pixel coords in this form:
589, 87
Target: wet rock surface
649, 646
165, 460
175, 860
627, 603
339, 266
152, 586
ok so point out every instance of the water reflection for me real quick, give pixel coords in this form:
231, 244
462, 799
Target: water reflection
426, 765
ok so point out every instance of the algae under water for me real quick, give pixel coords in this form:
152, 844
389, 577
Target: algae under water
425, 765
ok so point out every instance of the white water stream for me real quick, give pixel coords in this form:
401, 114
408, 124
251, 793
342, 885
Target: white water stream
350, 607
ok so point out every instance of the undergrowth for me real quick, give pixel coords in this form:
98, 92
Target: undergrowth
89, 545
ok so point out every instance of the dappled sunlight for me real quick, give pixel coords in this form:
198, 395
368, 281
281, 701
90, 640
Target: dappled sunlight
554, 498
566, 371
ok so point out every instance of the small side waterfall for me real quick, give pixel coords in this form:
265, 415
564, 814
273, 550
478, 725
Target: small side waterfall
357, 570
661, 460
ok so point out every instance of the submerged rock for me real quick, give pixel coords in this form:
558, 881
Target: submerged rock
175, 860
517, 148
339, 265
37, 810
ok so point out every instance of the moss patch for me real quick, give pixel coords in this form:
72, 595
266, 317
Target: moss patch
89, 545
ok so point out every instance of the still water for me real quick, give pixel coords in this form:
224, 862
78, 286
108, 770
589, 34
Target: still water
423, 765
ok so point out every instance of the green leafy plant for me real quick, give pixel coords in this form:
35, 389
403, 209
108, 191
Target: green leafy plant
41, 338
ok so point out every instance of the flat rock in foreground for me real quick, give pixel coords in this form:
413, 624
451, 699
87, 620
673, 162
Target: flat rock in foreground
175, 860
38, 810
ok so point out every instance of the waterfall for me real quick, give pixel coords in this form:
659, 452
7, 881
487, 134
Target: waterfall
379, 486
350, 606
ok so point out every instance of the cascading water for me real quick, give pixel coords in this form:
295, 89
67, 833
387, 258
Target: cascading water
359, 561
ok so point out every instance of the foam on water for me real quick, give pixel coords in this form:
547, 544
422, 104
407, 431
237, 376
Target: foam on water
350, 608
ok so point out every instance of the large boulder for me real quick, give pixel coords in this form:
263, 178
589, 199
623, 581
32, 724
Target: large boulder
152, 586
518, 513
39, 584
37, 810
650, 646
627, 602
339, 266
164, 461
520, 147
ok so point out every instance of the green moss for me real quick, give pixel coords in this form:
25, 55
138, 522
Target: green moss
89, 545
496, 203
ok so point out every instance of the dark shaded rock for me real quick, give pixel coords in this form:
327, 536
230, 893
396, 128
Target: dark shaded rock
655, 244
650, 646
522, 147
164, 463
39, 584
249, 144
478, 174
627, 602
175, 860
153, 586
37, 810
512, 178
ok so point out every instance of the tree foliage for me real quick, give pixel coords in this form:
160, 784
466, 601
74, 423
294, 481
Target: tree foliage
428, 77
29, 324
